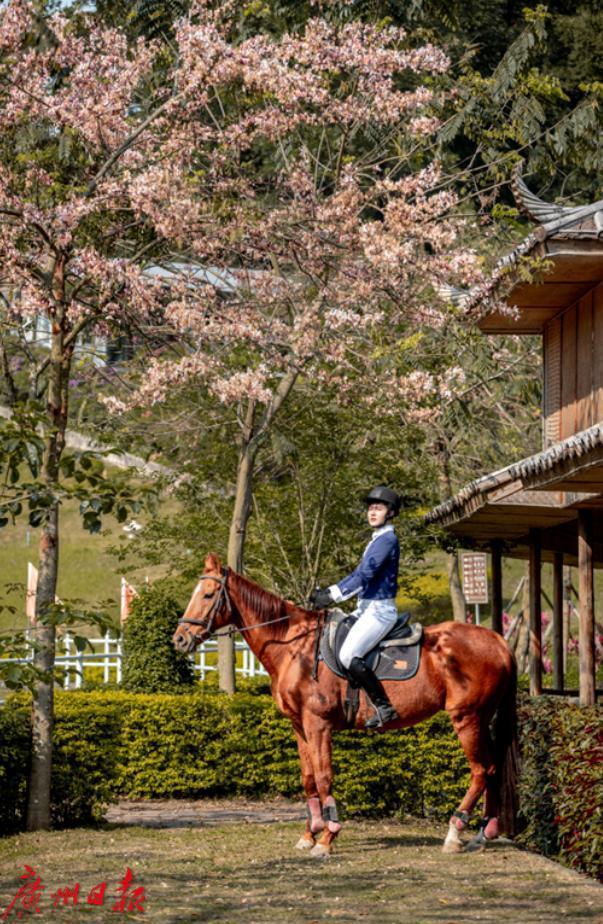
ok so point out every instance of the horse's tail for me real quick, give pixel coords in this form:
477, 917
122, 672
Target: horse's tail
506, 751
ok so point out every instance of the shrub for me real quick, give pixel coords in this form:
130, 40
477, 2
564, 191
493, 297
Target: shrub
561, 788
15, 741
151, 663
86, 748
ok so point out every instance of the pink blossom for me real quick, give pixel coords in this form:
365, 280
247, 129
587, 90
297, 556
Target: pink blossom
315, 267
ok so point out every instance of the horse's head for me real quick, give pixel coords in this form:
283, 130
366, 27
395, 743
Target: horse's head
208, 609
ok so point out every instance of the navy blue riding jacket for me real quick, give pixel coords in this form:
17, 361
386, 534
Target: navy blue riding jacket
376, 577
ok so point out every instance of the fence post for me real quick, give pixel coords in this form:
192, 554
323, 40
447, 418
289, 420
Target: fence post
79, 663
67, 646
119, 658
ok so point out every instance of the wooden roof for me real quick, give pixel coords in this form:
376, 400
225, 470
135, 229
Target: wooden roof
570, 239
577, 267
544, 491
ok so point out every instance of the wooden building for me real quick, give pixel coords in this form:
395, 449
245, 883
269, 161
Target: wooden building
548, 507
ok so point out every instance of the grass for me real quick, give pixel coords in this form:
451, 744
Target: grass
87, 571
381, 872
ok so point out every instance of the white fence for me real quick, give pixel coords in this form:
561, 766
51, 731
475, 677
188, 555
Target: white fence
107, 654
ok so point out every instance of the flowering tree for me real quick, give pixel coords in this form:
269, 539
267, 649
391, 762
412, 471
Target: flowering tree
291, 175
63, 124
290, 170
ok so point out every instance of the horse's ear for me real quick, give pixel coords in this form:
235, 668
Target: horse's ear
212, 563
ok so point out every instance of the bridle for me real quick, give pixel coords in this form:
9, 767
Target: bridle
221, 597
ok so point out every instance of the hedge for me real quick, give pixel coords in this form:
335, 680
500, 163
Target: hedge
111, 744
561, 786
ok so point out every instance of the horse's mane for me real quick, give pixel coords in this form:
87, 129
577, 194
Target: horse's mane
265, 605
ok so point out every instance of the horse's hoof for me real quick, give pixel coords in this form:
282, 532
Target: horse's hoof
452, 847
474, 846
320, 851
305, 843
478, 843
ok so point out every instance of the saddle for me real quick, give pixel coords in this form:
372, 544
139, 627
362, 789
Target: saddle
396, 657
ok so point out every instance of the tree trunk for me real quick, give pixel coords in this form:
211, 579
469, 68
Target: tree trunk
459, 606
44, 632
251, 440
236, 540
236, 545
38, 806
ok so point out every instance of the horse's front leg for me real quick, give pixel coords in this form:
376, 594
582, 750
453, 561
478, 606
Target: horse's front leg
314, 821
318, 739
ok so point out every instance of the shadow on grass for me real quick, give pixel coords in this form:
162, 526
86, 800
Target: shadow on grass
386, 841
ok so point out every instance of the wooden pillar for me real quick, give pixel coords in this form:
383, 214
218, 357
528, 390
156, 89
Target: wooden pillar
587, 611
497, 606
535, 657
558, 621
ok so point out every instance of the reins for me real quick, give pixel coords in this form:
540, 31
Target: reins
233, 630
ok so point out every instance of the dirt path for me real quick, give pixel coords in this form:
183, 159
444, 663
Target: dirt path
235, 861
177, 813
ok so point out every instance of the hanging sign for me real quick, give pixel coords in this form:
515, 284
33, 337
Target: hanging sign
475, 576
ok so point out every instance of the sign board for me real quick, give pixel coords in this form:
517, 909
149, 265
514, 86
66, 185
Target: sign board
475, 576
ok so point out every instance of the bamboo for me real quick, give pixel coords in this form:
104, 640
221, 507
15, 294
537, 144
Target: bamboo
535, 653
558, 620
587, 611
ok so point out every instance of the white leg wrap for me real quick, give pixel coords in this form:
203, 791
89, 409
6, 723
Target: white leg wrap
315, 815
453, 842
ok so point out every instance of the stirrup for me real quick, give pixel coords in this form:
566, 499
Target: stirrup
382, 716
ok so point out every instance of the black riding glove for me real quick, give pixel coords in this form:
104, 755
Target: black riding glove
320, 598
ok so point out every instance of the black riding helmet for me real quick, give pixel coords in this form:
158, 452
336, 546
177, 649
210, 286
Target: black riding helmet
383, 495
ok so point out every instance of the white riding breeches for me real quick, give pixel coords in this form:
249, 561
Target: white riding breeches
374, 619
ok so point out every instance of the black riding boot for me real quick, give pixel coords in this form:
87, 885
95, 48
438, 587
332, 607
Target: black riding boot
384, 711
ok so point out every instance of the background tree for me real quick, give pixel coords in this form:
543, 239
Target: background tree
151, 663
63, 220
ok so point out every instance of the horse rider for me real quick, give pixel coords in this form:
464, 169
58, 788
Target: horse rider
376, 581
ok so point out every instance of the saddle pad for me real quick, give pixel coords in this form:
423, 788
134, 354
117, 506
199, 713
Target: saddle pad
392, 659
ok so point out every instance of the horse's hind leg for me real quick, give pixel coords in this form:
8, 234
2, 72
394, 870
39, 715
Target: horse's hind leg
474, 736
314, 822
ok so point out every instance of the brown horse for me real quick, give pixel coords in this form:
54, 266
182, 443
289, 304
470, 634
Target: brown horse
466, 670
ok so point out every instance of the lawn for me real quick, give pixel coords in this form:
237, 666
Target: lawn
382, 872
87, 571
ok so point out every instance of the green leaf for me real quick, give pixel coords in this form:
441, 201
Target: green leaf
81, 642
36, 517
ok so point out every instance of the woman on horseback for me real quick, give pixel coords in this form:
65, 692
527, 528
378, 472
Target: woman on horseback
376, 581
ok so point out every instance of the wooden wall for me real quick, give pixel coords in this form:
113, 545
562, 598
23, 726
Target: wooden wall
573, 369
